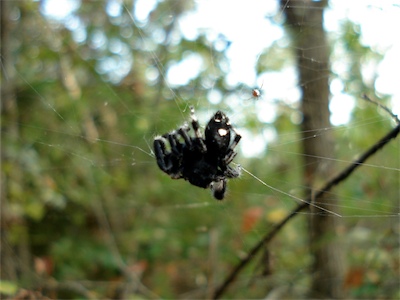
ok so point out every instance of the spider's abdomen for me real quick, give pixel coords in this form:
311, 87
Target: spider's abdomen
218, 133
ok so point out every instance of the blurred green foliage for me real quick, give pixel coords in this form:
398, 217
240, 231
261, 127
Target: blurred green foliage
85, 202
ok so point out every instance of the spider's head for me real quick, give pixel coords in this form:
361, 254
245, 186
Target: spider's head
220, 117
218, 132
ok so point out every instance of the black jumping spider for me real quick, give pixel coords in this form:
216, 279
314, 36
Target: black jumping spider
204, 162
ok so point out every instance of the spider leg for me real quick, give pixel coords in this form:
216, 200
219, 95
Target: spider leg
169, 162
197, 132
176, 145
190, 142
183, 132
195, 123
230, 155
232, 172
163, 157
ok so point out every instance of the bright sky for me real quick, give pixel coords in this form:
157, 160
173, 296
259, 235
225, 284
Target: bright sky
215, 17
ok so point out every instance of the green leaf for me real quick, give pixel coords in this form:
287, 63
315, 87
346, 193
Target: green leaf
8, 287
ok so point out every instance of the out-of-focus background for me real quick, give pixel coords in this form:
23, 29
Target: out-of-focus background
87, 85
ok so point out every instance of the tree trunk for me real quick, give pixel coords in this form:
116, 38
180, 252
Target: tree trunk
312, 52
12, 269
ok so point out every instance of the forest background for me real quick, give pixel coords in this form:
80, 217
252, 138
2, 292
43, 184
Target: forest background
85, 211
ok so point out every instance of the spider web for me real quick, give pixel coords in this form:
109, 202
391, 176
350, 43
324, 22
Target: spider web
162, 215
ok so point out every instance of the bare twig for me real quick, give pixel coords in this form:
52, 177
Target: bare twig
328, 186
395, 117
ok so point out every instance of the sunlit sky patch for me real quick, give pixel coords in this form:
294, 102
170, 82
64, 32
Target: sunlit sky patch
59, 9
215, 19
186, 70
249, 29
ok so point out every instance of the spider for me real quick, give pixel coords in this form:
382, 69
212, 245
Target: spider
204, 162
256, 93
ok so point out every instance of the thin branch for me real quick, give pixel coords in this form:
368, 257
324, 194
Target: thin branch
328, 186
395, 117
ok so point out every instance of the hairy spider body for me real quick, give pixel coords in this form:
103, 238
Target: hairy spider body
204, 162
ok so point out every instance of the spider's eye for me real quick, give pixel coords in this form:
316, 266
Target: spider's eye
219, 117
